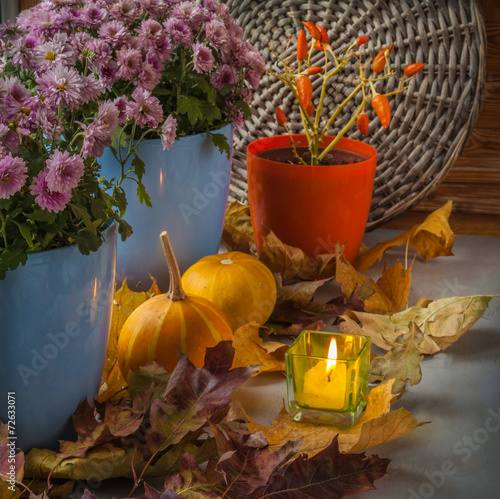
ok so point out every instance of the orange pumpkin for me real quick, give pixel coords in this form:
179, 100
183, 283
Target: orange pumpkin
240, 285
166, 323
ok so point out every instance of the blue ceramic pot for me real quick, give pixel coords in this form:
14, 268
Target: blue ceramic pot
55, 314
188, 185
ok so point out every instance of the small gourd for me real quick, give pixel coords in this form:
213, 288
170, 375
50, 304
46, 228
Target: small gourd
240, 285
166, 323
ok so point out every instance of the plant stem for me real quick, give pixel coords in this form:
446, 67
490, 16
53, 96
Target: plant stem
175, 291
3, 230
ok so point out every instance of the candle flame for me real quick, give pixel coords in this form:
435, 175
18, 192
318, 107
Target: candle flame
161, 177
332, 356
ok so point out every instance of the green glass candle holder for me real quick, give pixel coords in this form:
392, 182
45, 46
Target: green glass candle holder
325, 383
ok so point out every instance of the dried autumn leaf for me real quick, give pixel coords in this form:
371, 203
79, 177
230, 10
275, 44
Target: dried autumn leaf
292, 262
126, 301
300, 293
8, 490
395, 284
329, 474
402, 362
433, 237
442, 322
251, 350
193, 396
238, 234
377, 425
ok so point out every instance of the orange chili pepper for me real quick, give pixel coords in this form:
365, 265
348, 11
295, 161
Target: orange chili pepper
312, 29
380, 59
302, 46
323, 33
361, 40
314, 70
414, 68
310, 109
304, 89
280, 116
363, 123
381, 105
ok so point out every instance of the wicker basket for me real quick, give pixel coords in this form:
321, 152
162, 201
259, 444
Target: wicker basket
431, 121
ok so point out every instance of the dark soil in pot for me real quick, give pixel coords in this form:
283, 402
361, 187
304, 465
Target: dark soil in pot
334, 157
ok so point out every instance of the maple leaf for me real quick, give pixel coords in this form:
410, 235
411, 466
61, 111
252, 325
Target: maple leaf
432, 238
328, 475
6, 491
377, 425
113, 385
250, 349
193, 396
442, 322
402, 362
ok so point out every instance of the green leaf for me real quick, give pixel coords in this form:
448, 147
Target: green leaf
42, 216
11, 258
81, 213
88, 241
142, 194
119, 139
139, 166
220, 141
189, 106
26, 233
244, 108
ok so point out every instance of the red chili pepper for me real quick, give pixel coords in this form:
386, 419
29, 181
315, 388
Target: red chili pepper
319, 46
361, 40
280, 116
380, 59
312, 29
310, 109
302, 46
414, 68
323, 33
363, 123
314, 70
304, 89
382, 107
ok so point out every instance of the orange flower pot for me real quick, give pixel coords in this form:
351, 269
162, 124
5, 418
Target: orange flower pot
311, 207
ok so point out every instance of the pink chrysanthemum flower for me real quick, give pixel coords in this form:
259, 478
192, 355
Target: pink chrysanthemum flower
190, 13
23, 54
115, 33
129, 63
168, 132
46, 118
150, 34
124, 10
64, 171
13, 174
155, 8
146, 110
47, 199
224, 77
13, 93
63, 86
253, 78
93, 15
202, 58
217, 33
149, 76
99, 133
179, 31
121, 104
54, 52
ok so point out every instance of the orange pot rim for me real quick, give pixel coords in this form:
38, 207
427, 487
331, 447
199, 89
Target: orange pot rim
345, 143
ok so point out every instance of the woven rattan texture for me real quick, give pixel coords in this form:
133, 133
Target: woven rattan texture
431, 121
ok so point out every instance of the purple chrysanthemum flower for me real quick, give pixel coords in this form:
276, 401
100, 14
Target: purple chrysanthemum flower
223, 77
107, 74
46, 118
121, 104
149, 76
155, 8
64, 171
93, 15
54, 52
179, 32
129, 63
23, 54
251, 57
150, 34
99, 133
62, 85
217, 33
190, 13
253, 78
168, 132
124, 10
13, 93
202, 58
47, 199
13, 174
146, 110
115, 33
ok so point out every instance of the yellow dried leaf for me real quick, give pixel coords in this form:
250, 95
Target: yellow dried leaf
377, 425
433, 237
238, 233
250, 349
126, 301
395, 284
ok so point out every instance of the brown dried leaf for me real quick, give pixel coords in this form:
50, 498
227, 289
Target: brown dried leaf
300, 293
433, 237
251, 350
395, 284
442, 322
126, 301
238, 234
377, 425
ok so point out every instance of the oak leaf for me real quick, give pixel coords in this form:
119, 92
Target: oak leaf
442, 322
377, 425
113, 385
250, 349
432, 238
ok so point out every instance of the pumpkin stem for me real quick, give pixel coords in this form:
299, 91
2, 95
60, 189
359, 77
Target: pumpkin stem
175, 291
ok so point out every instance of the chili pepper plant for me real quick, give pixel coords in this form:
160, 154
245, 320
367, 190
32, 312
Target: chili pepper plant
297, 73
